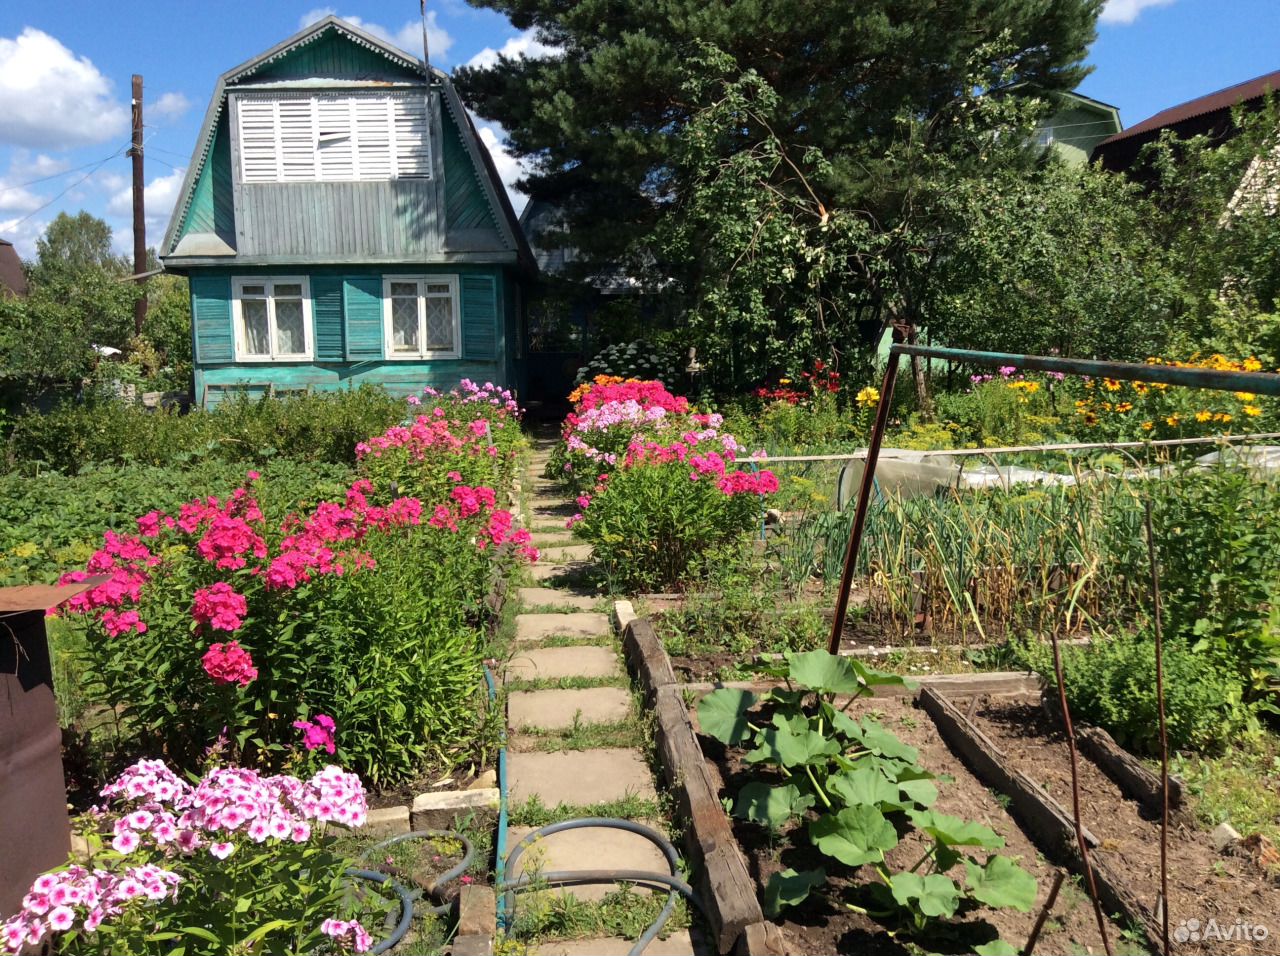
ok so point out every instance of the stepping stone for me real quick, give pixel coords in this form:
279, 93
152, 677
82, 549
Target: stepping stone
549, 511
677, 944
535, 627
549, 571
579, 777
566, 553
554, 597
552, 539
583, 850
554, 662
558, 709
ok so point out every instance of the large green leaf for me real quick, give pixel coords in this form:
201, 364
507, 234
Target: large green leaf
789, 888
932, 895
1001, 883
920, 792
997, 947
864, 785
952, 831
825, 673
769, 805
854, 836
885, 742
792, 743
723, 714
874, 678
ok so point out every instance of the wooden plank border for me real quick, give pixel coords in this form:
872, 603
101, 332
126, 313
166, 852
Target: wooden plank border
1043, 818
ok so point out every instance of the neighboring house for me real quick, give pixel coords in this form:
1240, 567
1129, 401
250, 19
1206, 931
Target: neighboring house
1207, 115
13, 281
342, 223
1077, 125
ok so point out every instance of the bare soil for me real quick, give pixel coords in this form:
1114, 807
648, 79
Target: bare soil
823, 923
1203, 883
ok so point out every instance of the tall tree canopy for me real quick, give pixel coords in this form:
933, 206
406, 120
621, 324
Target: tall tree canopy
863, 91
72, 245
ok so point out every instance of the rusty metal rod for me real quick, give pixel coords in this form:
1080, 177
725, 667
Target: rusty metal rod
1052, 898
1164, 737
1075, 793
1261, 383
864, 501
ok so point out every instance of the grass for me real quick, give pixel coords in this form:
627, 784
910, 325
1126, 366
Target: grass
568, 640
1240, 787
532, 813
624, 913
565, 683
601, 606
585, 736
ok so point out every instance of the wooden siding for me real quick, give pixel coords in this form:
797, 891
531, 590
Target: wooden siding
399, 378
212, 204
332, 56
466, 205
337, 221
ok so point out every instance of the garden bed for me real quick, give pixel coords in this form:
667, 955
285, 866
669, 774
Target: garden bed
823, 925
1204, 883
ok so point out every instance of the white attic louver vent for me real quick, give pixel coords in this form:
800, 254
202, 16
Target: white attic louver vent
333, 137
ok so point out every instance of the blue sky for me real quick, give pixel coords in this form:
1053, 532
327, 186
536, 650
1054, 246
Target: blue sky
65, 67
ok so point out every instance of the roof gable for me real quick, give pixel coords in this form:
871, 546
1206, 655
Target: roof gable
332, 50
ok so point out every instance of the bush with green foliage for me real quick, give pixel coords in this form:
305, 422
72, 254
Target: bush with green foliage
1112, 683
323, 426
637, 359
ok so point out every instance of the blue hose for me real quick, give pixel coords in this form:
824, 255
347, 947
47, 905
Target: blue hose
500, 842
406, 906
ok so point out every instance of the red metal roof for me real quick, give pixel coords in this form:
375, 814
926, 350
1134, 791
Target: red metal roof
11, 275
1212, 103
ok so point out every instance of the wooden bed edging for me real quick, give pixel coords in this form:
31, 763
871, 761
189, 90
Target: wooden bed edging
727, 888
1044, 819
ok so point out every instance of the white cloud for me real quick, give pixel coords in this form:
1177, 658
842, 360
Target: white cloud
509, 168
111, 182
14, 198
1126, 11
23, 235
159, 195
170, 106
52, 99
407, 38
522, 45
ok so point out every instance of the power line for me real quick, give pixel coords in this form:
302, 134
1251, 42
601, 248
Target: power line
65, 172
19, 222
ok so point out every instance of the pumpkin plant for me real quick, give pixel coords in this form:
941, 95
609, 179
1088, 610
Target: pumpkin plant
857, 789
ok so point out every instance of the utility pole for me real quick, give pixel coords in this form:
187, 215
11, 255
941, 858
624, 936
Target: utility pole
139, 207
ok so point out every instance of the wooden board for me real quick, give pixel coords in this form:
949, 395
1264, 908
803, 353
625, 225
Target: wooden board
728, 888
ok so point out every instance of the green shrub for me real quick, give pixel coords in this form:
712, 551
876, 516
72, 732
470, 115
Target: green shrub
1112, 683
314, 427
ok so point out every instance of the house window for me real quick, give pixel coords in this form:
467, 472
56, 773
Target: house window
421, 317
272, 319
333, 137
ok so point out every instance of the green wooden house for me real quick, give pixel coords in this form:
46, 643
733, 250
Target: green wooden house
341, 223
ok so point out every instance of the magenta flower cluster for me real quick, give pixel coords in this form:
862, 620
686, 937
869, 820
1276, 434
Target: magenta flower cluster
229, 663
348, 934
318, 733
227, 808
80, 900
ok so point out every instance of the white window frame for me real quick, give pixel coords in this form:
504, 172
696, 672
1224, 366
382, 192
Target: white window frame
423, 353
237, 312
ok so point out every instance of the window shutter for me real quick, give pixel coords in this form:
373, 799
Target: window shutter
326, 295
412, 136
362, 304
335, 149
479, 318
211, 319
373, 138
297, 137
258, 140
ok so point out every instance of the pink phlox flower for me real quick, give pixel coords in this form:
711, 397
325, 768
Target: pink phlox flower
317, 733
229, 663
220, 607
